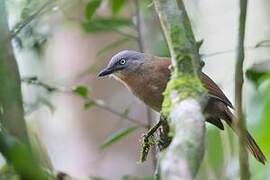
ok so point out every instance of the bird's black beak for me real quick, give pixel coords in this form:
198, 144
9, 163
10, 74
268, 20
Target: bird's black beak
105, 72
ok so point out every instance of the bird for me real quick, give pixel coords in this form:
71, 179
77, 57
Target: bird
146, 76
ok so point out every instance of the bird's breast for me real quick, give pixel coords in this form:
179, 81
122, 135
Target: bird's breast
150, 93
149, 85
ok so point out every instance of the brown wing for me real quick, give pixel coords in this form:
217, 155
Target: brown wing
213, 90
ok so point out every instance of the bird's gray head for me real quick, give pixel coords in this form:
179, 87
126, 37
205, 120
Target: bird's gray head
126, 61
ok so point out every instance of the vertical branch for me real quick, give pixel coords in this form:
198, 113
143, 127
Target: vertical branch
139, 26
184, 97
239, 80
12, 115
14, 144
142, 49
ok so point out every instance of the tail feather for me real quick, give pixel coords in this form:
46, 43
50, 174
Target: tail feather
254, 149
251, 143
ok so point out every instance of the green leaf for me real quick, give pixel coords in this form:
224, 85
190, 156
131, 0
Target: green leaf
91, 8
259, 73
89, 104
106, 24
117, 136
20, 157
81, 91
116, 5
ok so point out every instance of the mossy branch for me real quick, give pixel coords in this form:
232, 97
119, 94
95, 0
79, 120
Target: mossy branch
184, 95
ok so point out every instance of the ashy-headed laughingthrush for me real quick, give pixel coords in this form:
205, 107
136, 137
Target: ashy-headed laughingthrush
147, 76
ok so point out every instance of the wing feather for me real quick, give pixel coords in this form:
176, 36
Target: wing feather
213, 89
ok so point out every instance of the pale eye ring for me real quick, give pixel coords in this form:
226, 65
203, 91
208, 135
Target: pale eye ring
122, 61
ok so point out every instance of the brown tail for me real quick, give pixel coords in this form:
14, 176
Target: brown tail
251, 143
254, 149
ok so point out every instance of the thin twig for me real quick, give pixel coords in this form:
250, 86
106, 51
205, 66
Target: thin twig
124, 34
21, 25
35, 81
142, 49
239, 80
138, 26
100, 104
97, 102
257, 46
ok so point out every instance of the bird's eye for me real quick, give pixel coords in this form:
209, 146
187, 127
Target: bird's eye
122, 61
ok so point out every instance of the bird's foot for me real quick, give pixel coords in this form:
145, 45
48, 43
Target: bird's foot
149, 140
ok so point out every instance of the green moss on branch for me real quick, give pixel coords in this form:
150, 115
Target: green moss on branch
184, 86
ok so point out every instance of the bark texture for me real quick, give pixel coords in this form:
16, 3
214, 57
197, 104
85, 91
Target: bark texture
184, 95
